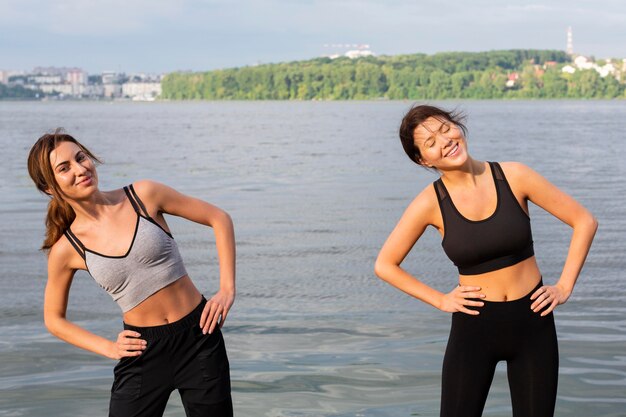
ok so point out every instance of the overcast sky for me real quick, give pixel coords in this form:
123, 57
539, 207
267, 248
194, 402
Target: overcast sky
166, 35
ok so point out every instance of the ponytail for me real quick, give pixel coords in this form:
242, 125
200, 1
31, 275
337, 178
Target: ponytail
59, 218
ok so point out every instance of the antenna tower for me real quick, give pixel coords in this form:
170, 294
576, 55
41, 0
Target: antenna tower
570, 41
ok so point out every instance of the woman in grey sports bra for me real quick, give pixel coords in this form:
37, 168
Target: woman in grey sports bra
171, 338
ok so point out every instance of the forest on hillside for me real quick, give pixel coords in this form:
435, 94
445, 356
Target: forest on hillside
459, 75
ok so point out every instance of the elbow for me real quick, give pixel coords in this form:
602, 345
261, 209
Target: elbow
594, 223
52, 324
225, 220
380, 269
586, 223
591, 223
377, 268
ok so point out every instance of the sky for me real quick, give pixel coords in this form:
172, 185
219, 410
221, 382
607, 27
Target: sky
159, 36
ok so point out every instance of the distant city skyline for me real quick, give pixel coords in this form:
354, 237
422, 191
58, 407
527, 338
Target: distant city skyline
158, 36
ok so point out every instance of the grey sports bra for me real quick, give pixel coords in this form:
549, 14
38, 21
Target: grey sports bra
151, 262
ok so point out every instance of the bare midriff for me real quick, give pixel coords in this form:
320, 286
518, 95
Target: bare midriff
165, 306
506, 284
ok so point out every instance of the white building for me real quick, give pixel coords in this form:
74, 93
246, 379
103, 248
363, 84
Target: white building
141, 91
111, 77
569, 69
65, 89
358, 53
583, 63
45, 79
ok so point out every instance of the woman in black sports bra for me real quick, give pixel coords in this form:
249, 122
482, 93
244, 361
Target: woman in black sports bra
501, 310
171, 338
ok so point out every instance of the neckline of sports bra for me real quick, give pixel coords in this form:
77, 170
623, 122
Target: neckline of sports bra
130, 248
498, 199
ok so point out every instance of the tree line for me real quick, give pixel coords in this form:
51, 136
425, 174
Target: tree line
463, 75
18, 92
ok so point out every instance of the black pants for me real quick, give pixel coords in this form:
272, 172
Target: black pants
508, 331
178, 356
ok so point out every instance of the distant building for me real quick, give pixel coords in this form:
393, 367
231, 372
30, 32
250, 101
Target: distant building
569, 69
141, 91
76, 77
607, 69
354, 50
583, 63
71, 82
112, 77
57, 80
71, 75
93, 91
112, 90
64, 89
44, 79
5, 75
358, 53
512, 79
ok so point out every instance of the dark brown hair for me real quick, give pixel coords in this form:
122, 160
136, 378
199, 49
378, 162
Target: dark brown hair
416, 116
60, 214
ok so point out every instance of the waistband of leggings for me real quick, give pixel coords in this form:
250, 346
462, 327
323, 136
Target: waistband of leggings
156, 332
507, 310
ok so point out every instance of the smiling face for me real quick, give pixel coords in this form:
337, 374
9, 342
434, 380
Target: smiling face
441, 143
74, 171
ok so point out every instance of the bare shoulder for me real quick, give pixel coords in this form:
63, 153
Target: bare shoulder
152, 193
147, 188
521, 177
425, 205
64, 257
513, 169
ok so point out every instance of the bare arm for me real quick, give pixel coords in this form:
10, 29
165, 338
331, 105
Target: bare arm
172, 202
562, 206
63, 262
409, 229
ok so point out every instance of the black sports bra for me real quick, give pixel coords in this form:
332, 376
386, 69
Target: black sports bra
478, 246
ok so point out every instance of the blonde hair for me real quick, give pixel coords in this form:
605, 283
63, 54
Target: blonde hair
60, 214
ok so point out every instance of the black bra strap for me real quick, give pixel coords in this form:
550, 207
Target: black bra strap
140, 208
78, 245
497, 171
136, 202
132, 200
440, 189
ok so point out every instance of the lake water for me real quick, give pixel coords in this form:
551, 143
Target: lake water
314, 189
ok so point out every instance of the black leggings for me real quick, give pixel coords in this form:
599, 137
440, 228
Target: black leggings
178, 356
508, 331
